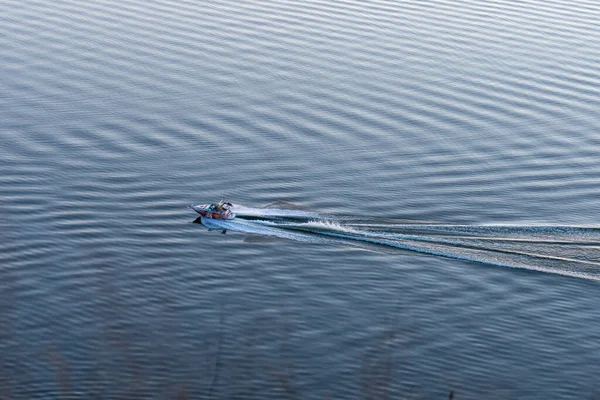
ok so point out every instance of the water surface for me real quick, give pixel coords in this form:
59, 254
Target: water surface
115, 115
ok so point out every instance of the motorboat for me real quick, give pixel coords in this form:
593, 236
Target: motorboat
220, 210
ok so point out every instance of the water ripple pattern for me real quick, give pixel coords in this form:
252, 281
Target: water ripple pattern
464, 129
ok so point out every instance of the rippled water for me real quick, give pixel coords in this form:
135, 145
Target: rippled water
115, 115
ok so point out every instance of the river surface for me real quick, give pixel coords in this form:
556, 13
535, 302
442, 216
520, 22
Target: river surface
416, 186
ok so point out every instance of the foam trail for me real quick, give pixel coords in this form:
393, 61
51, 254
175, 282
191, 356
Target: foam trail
239, 225
460, 249
517, 230
273, 229
242, 211
566, 250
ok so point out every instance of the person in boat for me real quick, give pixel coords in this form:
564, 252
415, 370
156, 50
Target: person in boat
222, 206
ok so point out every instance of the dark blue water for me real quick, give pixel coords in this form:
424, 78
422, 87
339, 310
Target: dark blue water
466, 133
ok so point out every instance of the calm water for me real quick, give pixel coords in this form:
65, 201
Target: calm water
115, 115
